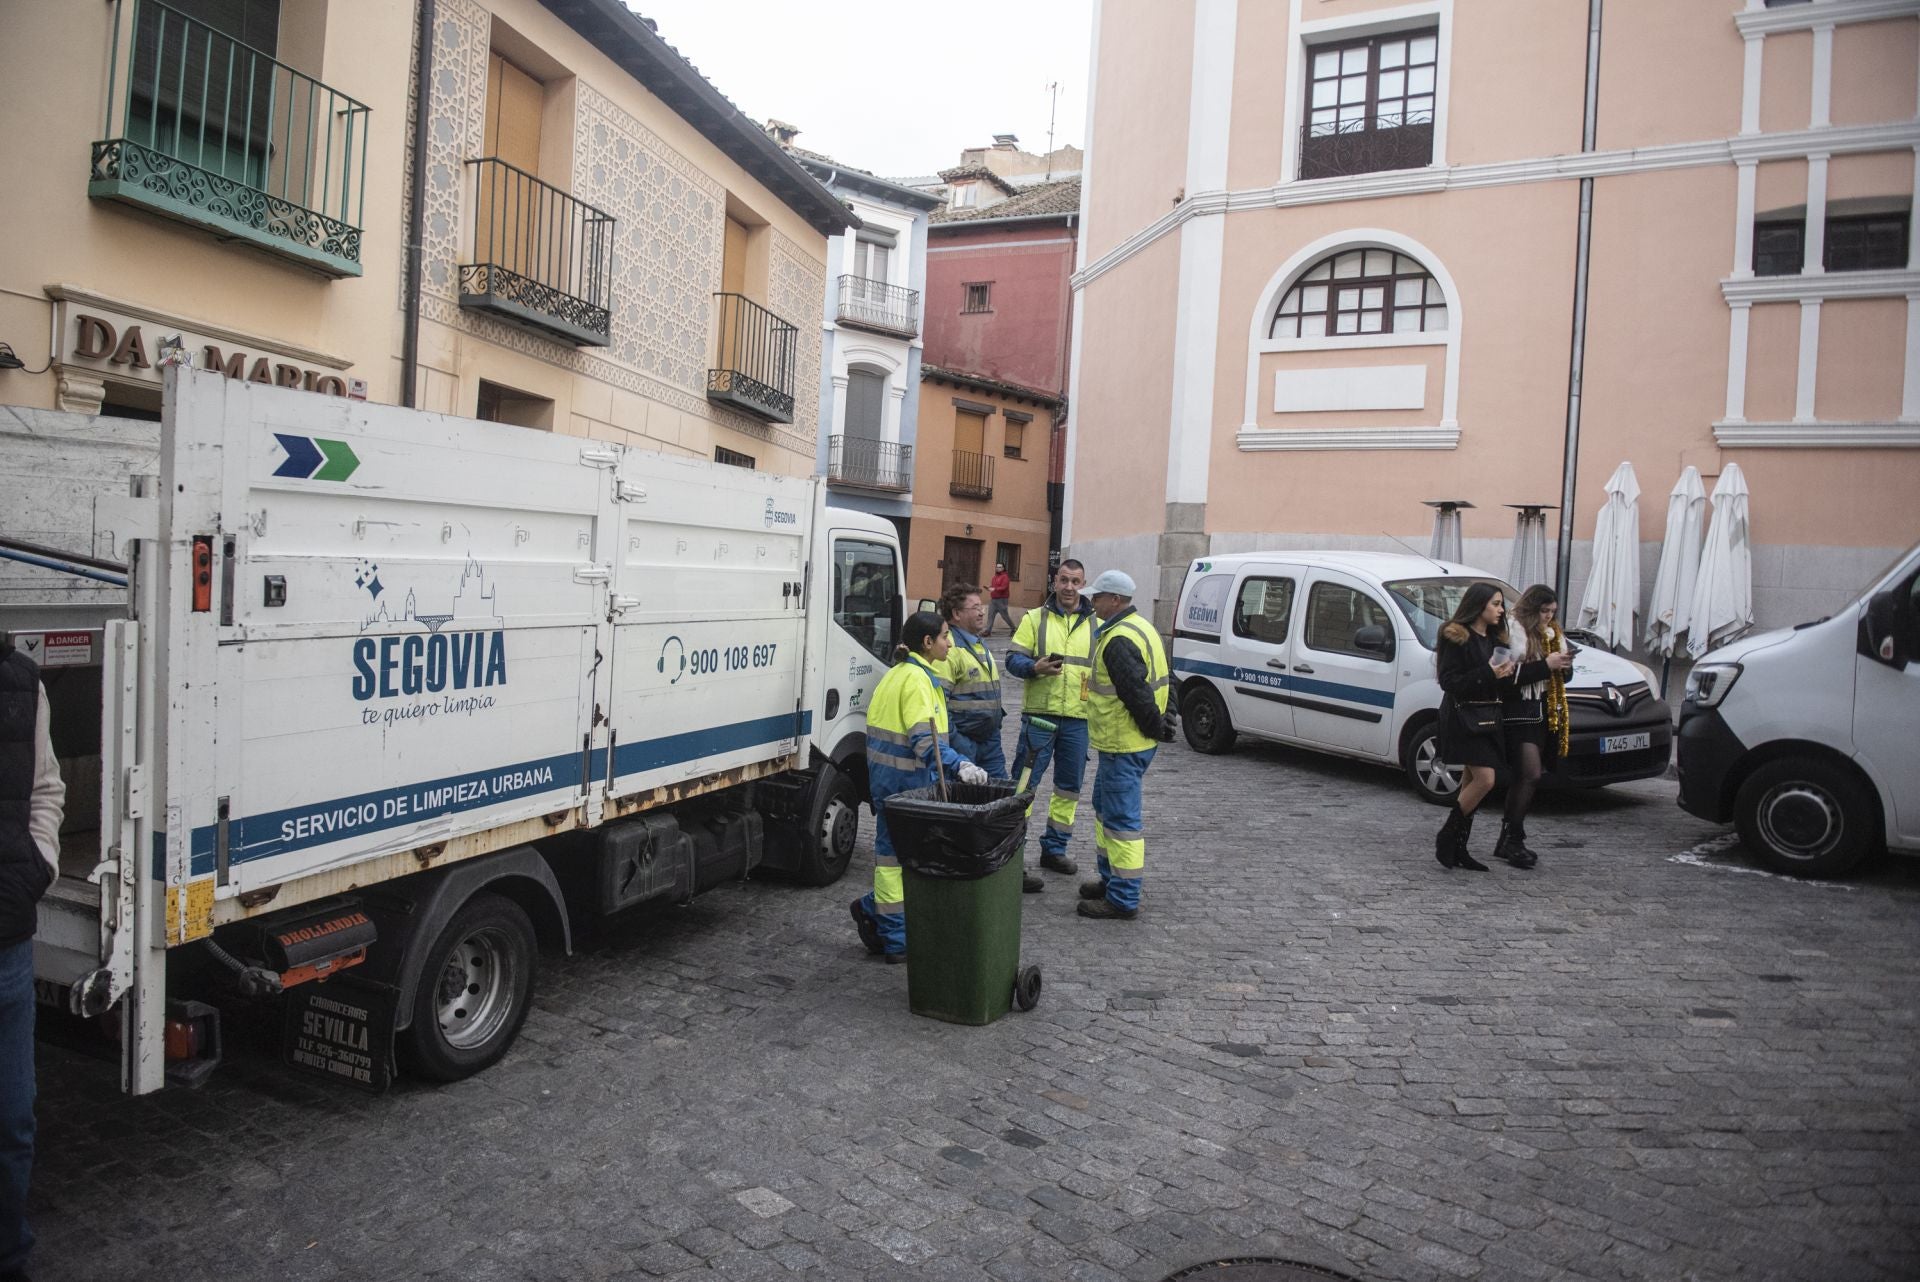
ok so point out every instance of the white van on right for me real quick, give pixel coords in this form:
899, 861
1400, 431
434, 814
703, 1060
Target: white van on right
1808, 738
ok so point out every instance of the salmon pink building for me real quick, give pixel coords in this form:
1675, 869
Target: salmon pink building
1339, 258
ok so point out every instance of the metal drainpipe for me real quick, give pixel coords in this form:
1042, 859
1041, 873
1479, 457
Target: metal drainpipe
417, 204
1570, 463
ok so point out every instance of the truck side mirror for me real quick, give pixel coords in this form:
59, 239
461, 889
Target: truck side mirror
1881, 631
1374, 639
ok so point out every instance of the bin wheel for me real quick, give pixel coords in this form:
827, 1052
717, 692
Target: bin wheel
1026, 988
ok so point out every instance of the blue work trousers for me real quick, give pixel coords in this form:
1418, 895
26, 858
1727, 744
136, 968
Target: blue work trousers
1065, 749
1122, 837
985, 751
16, 1102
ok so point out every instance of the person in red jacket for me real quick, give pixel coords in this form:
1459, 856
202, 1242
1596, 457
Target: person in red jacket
999, 588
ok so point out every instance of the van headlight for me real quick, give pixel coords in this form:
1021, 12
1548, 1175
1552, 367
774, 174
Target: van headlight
1708, 683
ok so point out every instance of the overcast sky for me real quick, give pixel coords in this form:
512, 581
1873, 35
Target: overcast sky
898, 89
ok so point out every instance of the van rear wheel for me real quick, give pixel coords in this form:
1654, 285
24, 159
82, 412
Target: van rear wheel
1432, 778
1806, 818
1203, 715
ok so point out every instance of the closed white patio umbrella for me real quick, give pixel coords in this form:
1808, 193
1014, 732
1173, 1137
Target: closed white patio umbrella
1613, 584
1667, 612
1723, 593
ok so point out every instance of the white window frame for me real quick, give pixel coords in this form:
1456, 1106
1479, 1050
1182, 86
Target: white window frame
1446, 435
1303, 35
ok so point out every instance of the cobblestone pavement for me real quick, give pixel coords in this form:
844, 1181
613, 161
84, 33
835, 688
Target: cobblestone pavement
1642, 1060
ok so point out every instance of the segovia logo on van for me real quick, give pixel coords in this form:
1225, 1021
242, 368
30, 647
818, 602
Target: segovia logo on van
459, 654
777, 517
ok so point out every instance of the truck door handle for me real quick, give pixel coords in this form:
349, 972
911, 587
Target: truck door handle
1301, 667
1275, 663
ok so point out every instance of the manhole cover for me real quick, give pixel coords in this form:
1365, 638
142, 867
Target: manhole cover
1263, 1269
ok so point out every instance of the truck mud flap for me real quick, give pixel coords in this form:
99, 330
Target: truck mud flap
342, 1030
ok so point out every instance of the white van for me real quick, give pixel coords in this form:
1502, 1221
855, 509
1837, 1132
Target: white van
1334, 651
1808, 738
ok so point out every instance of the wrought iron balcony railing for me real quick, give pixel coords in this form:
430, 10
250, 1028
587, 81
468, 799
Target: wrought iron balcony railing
972, 475
540, 257
753, 359
1330, 150
204, 129
874, 304
870, 464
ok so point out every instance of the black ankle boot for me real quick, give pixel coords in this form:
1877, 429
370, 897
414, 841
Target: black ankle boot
1512, 846
1443, 842
1462, 835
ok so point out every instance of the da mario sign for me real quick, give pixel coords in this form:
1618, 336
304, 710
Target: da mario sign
131, 348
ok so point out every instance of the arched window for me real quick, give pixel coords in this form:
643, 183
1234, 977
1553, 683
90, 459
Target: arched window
1361, 291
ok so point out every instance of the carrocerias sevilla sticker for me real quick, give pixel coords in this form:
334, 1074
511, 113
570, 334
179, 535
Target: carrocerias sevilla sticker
316, 459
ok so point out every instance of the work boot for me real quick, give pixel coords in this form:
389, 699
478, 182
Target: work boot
1106, 910
1031, 883
1462, 835
1512, 848
1093, 888
1059, 863
869, 933
894, 959
1443, 841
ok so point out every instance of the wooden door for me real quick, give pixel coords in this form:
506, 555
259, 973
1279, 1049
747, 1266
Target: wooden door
509, 205
970, 432
961, 563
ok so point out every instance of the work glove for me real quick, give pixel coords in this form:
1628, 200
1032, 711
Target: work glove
970, 773
1169, 725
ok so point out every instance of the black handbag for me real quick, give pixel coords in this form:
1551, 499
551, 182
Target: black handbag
1481, 718
1525, 711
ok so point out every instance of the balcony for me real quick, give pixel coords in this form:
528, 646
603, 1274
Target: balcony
869, 464
1332, 150
753, 359
541, 259
878, 306
972, 475
208, 131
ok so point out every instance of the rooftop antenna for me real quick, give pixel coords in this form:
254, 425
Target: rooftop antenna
1424, 556
1053, 103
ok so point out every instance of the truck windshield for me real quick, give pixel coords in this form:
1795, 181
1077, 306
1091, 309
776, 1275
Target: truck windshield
866, 581
1429, 603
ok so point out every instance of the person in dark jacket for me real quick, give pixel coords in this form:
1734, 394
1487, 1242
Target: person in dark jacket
32, 799
1533, 713
1470, 734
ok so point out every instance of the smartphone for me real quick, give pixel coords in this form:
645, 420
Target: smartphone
1056, 658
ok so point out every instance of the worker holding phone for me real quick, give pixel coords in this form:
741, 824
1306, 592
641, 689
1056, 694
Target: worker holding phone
1052, 652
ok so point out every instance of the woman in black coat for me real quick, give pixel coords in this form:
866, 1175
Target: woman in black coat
1533, 710
1470, 725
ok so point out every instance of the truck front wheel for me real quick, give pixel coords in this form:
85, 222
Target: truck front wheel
833, 824
473, 991
1806, 817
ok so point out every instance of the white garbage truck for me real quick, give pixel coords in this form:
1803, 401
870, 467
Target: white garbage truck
391, 699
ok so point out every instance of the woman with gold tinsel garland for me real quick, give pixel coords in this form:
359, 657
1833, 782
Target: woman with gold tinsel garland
1533, 711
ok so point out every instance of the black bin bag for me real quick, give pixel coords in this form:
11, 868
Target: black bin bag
968, 836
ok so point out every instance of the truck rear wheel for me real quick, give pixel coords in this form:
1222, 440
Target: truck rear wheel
1806, 817
474, 988
833, 824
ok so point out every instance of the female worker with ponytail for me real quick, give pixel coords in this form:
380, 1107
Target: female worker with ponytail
907, 748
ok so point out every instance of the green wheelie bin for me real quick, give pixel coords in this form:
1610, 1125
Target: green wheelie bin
960, 862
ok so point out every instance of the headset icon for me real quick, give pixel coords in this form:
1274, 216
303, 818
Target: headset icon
680, 651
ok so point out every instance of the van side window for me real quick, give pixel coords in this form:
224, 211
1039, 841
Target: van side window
1263, 609
1335, 612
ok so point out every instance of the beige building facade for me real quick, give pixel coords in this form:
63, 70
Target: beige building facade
1330, 253
607, 247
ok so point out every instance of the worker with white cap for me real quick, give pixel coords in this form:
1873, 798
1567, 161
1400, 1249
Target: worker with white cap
1127, 720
